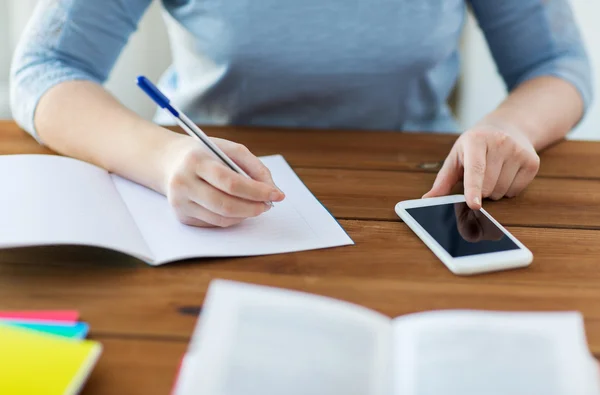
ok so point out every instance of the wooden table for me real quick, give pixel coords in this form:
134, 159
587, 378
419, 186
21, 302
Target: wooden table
144, 316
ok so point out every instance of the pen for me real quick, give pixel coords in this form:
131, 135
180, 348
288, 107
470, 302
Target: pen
187, 125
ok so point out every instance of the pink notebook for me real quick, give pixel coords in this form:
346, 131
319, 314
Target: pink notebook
64, 316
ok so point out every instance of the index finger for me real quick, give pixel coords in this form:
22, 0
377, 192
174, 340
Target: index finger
223, 178
474, 163
250, 164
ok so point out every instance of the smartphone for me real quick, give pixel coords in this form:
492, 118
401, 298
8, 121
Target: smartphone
466, 241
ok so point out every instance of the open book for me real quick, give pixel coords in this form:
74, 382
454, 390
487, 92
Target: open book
255, 340
53, 200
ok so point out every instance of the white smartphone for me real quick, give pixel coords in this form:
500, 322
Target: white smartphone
466, 241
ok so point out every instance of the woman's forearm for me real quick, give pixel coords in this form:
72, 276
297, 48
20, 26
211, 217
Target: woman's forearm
545, 109
497, 156
82, 120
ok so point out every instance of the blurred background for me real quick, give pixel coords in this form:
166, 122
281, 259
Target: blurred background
478, 92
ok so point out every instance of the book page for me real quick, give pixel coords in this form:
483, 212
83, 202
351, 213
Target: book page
492, 353
298, 223
53, 200
255, 340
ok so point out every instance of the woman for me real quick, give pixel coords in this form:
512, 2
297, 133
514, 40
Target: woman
379, 64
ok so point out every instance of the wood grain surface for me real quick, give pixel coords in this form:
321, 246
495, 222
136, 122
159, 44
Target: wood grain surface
144, 315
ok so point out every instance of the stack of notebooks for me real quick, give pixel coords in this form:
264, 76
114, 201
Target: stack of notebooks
44, 352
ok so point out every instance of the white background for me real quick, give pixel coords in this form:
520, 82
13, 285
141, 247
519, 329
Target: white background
481, 88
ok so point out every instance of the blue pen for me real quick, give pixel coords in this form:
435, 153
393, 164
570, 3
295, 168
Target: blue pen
186, 124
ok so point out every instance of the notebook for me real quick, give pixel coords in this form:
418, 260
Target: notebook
77, 330
53, 200
57, 322
256, 340
65, 316
32, 363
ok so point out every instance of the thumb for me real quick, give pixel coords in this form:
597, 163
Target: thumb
447, 177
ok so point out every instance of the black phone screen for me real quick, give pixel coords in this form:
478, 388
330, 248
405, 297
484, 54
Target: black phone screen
460, 230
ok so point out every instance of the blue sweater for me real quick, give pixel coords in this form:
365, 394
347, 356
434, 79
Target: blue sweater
354, 64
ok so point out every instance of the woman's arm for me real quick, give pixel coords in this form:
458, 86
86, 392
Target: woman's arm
82, 120
57, 95
540, 55
65, 54
544, 109
539, 52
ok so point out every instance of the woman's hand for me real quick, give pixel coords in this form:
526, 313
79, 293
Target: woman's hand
493, 160
205, 192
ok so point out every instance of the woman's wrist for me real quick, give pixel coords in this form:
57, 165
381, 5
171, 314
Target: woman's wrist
168, 153
502, 123
543, 110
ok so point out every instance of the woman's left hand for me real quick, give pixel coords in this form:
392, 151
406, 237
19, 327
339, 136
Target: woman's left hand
493, 161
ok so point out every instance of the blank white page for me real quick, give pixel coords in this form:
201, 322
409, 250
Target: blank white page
298, 223
256, 340
53, 200
493, 353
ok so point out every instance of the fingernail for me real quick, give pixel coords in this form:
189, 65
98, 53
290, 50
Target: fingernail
277, 195
267, 207
477, 201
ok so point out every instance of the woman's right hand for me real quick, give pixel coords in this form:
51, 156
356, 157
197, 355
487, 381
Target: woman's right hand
205, 192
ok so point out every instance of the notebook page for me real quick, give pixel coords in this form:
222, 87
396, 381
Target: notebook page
256, 340
493, 353
53, 200
298, 223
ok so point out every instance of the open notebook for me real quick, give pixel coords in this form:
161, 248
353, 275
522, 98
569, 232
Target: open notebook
53, 200
256, 340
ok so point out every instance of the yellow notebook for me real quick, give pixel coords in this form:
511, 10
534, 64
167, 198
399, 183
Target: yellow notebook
32, 363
